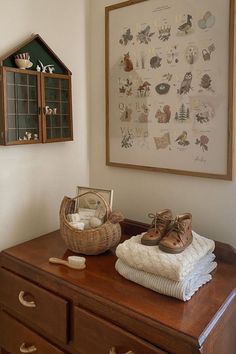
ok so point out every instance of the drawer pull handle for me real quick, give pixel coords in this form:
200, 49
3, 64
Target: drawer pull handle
113, 351
24, 349
24, 302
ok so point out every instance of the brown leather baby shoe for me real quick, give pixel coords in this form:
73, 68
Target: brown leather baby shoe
158, 229
179, 235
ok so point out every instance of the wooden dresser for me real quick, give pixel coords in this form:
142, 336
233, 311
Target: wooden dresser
50, 309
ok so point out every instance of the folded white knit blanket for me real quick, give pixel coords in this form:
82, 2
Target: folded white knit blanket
152, 260
182, 290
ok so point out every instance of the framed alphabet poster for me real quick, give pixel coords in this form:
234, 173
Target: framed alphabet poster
169, 86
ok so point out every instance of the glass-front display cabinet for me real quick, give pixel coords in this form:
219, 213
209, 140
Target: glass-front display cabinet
35, 104
57, 107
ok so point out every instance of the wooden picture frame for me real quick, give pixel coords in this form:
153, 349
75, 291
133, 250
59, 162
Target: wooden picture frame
107, 194
170, 86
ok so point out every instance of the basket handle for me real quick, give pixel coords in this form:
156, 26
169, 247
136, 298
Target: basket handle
108, 209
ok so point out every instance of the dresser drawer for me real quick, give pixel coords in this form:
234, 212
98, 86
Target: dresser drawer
16, 338
95, 335
34, 305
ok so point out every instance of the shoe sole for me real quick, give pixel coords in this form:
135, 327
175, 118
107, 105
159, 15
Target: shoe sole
176, 251
150, 242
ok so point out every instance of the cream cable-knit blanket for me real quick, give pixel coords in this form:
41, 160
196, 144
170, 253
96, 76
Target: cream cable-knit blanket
182, 290
152, 260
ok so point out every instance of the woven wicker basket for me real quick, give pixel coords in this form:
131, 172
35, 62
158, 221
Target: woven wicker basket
90, 241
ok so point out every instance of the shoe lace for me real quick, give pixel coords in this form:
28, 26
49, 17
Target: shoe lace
176, 226
157, 220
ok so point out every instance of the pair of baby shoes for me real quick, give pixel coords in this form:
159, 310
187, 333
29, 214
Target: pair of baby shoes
172, 235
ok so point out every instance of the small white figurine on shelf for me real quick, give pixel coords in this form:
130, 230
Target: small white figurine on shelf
36, 136
48, 110
51, 69
27, 136
45, 68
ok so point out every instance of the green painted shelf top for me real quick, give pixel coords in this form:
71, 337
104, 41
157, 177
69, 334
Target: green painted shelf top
38, 50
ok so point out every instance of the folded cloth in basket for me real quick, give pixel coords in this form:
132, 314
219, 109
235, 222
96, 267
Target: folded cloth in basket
152, 260
182, 290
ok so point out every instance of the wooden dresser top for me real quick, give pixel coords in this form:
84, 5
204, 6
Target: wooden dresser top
194, 319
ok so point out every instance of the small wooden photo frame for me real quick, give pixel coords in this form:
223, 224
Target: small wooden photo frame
91, 201
170, 86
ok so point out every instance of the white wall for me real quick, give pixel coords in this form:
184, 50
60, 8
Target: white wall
212, 202
34, 179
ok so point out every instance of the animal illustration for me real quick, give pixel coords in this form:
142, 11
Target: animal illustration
185, 27
163, 117
182, 136
186, 84
128, 65
182, 139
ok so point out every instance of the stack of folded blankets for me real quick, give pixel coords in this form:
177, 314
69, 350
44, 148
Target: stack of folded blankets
177, 275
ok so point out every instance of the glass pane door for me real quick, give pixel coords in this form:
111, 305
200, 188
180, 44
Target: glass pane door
22, 107
57, 108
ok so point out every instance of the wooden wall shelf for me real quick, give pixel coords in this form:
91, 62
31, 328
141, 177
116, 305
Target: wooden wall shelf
35, 105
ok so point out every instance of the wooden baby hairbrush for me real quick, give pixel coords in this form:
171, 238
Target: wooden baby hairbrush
73, 262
